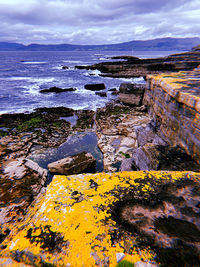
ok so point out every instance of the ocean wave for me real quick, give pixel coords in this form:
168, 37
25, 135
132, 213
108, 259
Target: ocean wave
72, 61
92, 73
133, 80
34, 62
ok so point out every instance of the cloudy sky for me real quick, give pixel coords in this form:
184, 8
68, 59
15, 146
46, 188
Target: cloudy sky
97, 21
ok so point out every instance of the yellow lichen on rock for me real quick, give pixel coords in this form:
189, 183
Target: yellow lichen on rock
72, 223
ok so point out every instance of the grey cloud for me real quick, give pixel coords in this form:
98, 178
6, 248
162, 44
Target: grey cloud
91, 21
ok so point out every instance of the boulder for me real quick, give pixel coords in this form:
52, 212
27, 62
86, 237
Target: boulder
131, 94
57, 90
79, 163
95, 87
103, 94
21, 182
130, 99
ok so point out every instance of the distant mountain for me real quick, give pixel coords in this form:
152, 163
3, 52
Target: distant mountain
161, 44
10, 46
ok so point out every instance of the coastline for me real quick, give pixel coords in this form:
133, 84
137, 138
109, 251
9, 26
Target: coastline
125, 133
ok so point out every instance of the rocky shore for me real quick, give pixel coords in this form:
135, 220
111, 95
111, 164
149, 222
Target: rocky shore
147, 214
129, 66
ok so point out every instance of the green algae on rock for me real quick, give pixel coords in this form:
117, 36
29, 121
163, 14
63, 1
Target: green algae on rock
86, 220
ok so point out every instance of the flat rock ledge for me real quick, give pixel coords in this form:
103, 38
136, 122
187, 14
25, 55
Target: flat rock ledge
145, 218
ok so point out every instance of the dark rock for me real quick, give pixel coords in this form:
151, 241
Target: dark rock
79, 163
57, 111
115, 93
65, 67
112, 90
57, 90
103, 94
129, 58
132, 88
95, 87
157, 219
159, 157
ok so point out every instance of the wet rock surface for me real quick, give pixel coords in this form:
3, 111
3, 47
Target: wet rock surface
80, 163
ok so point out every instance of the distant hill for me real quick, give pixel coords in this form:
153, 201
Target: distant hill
161, 44
10, 46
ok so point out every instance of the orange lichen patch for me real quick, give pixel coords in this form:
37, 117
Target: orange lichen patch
184, 86
72, 225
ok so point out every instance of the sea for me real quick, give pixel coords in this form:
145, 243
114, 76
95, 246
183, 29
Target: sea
24, 73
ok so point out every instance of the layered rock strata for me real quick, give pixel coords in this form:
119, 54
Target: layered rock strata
174, 103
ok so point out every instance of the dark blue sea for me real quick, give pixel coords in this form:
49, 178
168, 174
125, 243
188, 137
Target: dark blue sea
24, 73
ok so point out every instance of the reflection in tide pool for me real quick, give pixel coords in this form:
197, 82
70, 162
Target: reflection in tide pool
74, 144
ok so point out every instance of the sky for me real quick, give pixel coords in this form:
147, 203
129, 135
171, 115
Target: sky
97, 21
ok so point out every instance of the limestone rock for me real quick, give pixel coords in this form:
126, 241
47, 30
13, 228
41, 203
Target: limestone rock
79, 163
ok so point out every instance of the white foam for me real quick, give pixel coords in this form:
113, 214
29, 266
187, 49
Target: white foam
133, 80
103, 58
34, 62
32, 89
72, 61
31, 79
61, 67
92, 73
15, 78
